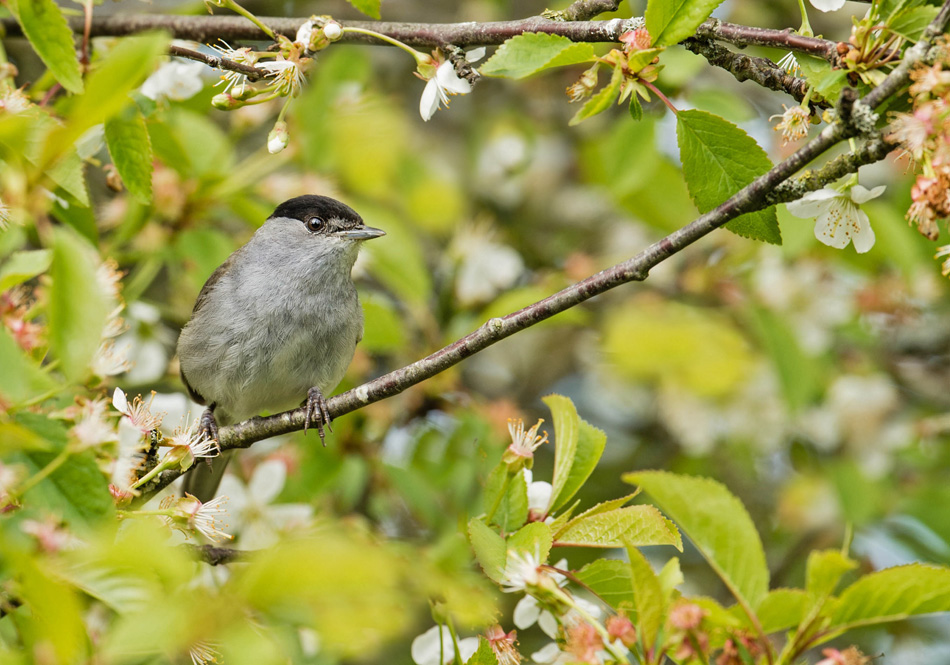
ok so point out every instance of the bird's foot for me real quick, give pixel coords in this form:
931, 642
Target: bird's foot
318, 415
208, 426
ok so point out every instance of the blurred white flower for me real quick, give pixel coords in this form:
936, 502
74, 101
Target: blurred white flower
522, 570
92, 427
14, 101
176, 80
435, 647
838, 219
485, 266
551, 654
445, 82
528, 612
827, 5
254, 518
539, 495
146, 343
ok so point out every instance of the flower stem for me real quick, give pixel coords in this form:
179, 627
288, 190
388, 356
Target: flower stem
230, 4
421, 58
161, 466
805, 30
660, 95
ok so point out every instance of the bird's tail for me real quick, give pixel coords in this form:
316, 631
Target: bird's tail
202, 482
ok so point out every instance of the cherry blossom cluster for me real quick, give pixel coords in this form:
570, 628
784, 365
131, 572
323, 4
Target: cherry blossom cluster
924, 134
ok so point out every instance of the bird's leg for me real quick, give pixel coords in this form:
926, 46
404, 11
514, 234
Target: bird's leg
209, 426
318, 414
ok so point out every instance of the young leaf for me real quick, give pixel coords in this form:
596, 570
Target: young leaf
78, 308
718, 524
532, 52
490, 549
827, 82
636, 110
566, 433
891, 595
671, 21
611, 580
824, 571
484, 655
533, 538
648, 597
603, 507
587, 452
909, 23
131, 151
782, 609
21, 266
368, 7
45, 26
719, 159
635, 525
601, 101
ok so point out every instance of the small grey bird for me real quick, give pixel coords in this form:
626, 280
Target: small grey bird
277, 323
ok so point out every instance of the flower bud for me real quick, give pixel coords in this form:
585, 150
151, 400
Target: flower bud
333, 31
278, 138
225, 102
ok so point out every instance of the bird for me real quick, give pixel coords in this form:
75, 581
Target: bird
276, 325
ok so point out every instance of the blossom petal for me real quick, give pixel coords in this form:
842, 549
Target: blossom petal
830, 230
475, 54
861, 194
267, 481
812, 204
449, 80
863, 235
827, 5
120, 401
548, 624
526, 613
547, 654
539, 495
429, 103
467, 647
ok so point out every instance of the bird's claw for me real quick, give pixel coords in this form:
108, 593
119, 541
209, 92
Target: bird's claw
208, 426
318, 415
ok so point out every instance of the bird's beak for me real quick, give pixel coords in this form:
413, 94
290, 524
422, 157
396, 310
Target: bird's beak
362, 233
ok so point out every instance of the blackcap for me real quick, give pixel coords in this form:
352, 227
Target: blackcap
277, 323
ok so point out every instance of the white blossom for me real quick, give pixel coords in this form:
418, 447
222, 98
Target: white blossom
435, 647
176, 80
838, 217
827, 5
286, 73
445, 82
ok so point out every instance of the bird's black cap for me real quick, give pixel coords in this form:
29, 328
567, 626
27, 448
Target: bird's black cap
303, 207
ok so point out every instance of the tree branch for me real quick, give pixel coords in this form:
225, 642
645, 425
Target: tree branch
234, 28
748, 68
252, 73
585, 10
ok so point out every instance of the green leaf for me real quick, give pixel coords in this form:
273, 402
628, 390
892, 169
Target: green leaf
21, 378
69, 174
128, 64
534, 539
671, 21
566, 434
586, 453
635, 525
827, 82
15, 438
603, 507
512, 508
909, 23
368, 7
824, 571
719, 159
611, 580
636, 110
648, 597
718, 524
782, 609
78, 308
484, 654
131, 152
490, 549
532, 52
45, 26
891, 595
601, 101
22, 266
78, 489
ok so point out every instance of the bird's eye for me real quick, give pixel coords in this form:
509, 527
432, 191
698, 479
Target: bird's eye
315, 224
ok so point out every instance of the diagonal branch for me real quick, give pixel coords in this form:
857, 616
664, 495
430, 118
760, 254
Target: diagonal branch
252, 73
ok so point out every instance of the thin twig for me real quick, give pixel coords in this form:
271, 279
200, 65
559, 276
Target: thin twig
252, 73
